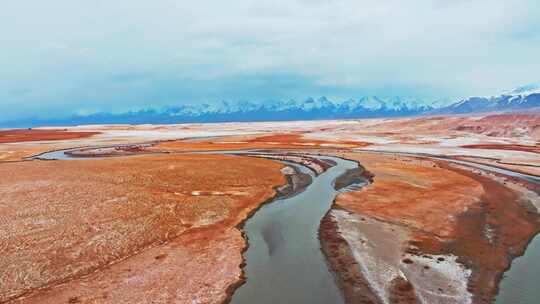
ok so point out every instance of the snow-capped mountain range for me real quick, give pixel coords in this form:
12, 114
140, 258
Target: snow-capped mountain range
322, 106
519, 99
525, 98
308, 109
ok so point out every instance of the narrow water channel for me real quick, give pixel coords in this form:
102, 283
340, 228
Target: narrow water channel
284, 262
520, 283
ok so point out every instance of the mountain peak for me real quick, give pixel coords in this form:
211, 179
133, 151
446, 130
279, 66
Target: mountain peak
519, 99
533, 88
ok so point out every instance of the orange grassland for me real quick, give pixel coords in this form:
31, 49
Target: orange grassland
448, 209
23, 135
127, 230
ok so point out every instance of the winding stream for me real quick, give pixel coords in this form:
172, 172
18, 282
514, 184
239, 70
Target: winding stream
284, 263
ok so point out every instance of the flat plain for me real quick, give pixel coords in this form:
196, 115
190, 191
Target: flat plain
154, 213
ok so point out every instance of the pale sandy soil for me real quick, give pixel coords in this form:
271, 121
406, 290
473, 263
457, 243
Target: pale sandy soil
378, 248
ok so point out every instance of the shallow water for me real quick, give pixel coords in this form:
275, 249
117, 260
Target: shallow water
520, 284
284, 262
61, 154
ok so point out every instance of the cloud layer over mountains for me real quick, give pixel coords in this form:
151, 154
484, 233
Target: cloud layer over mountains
74, 56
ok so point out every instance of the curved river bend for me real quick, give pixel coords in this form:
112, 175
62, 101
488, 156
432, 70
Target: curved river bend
284, 263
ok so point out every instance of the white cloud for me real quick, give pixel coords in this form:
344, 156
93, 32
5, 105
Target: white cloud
61, 53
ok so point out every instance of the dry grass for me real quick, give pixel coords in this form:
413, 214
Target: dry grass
62, 219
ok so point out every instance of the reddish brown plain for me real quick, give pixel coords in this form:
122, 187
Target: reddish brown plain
22, 135
449, 210
127, 230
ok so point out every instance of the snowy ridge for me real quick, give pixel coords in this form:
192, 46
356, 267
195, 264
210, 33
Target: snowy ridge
370, 106
522, 98
524, 90
275, 110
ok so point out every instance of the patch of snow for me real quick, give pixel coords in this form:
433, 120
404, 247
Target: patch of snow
445, 281
524, 90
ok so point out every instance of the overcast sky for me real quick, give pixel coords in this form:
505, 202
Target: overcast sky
63, 56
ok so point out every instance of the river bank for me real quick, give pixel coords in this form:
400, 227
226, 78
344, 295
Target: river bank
121, 230
284, 249
452, 226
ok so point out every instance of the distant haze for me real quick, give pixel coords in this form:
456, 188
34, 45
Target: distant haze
64, 57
